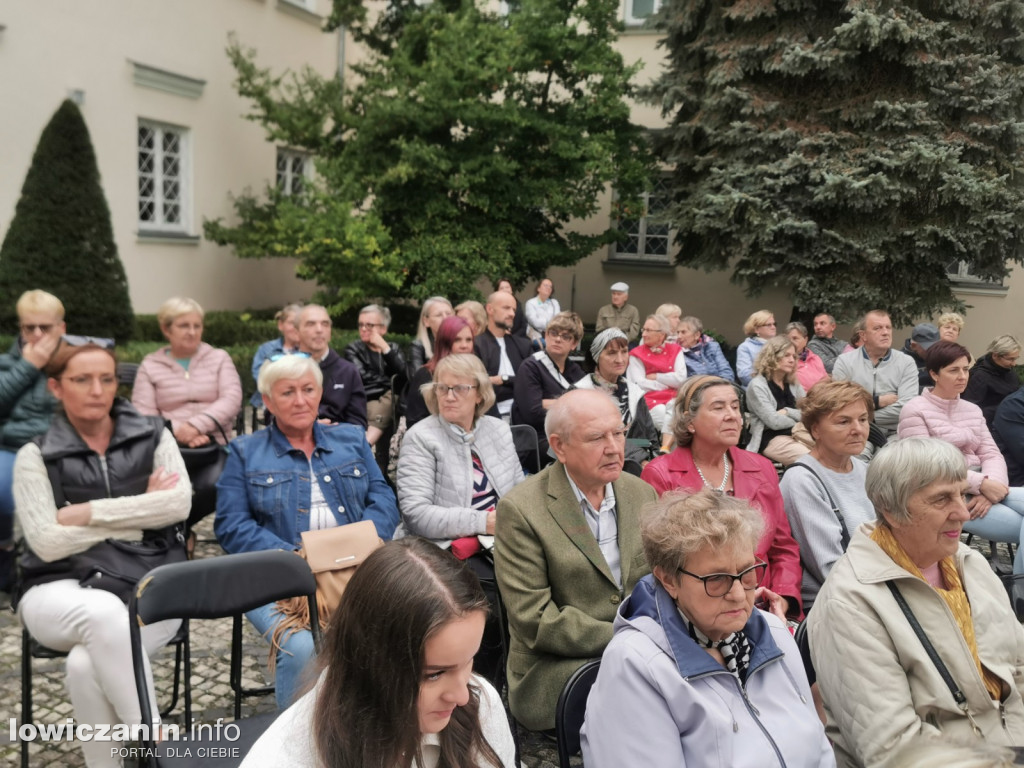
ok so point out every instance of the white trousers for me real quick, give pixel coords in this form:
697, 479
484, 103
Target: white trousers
92, 627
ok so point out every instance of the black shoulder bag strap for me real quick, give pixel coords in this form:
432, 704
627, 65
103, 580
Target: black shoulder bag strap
947, 678
845, 536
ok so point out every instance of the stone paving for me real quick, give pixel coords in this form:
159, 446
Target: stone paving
211, 692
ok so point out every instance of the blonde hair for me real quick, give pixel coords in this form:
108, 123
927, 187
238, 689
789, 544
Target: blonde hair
462, 367
682, 524
174, 308
950, 318
41, 302
478, 313
1003, 345
567, 322
287, 367
421, 330
756, 320
771, 354
668, 310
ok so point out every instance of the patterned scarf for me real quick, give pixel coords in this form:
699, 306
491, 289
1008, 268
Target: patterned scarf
735, 648
955, 597
619, 390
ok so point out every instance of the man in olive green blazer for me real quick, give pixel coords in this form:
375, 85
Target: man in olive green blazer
560, 584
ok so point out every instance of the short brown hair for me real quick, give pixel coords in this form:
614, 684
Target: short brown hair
567, 322
67, 352
827, 397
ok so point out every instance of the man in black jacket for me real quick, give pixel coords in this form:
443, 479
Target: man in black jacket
501, 352
343, 400
377, 360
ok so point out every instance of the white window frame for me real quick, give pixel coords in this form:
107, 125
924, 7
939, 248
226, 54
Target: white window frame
637, 21
960, 272
156, 172
288, 175
307, 5
643, 231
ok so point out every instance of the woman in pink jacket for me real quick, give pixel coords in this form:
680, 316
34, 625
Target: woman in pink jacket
997, 511
196, 388
707, 425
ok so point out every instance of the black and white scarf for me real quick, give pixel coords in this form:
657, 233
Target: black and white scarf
735, 648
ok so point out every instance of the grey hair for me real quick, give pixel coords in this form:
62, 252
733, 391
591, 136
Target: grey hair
904, 467
664, 326
288, 367
796, 325
693, 323
384, 312
680, 525
463, 367
826, 314
559, 419
689, 401
1003, 345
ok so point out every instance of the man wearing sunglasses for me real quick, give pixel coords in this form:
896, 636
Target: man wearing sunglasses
25, 404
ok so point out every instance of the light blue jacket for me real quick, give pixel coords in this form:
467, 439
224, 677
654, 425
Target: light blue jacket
263, 495
746, 354
661, 701
706, 357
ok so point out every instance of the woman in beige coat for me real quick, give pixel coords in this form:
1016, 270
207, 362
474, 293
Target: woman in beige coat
879, 685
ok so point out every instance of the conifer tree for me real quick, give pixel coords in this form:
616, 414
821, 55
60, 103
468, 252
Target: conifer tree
467, 145
61, 240
853, 151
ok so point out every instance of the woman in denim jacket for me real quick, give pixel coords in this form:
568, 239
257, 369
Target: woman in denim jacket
265, 499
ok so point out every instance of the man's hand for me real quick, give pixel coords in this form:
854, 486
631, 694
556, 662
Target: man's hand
39, 352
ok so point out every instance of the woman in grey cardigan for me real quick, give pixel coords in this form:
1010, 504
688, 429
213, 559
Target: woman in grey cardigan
454, 465
773, 398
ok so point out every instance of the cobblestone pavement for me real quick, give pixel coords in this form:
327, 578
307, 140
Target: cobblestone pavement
211, 692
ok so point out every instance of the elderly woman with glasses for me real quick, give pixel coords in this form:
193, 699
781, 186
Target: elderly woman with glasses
880, 687
457, 463
695, 673
547, 374
657, 366
296, 475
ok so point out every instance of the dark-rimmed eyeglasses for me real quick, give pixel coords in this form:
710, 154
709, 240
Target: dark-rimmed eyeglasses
719, 584
563, 335
280, 355
369, 326
29, 328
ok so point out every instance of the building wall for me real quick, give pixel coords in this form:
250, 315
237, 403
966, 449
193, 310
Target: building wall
66, 45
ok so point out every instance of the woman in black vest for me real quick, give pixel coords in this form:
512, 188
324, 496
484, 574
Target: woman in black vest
102, 471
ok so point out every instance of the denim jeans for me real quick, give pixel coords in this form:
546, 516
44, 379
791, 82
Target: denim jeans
292, 659
1004, 522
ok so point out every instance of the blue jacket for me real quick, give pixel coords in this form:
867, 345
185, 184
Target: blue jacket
1008, 432
661, 701
266, 351
706, 357
263, 495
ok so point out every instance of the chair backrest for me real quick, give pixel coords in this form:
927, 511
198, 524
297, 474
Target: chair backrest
572, 706
214, 588
524, 437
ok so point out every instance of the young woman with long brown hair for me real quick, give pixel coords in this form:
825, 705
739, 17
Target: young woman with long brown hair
397, 688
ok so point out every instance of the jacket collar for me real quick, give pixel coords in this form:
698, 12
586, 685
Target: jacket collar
61, 439
565, 510
649, 599
871, 565
281, 445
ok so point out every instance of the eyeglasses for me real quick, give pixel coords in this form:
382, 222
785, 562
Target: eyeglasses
86, 382
1012, 359
767, 325
719, 584
460, 390
651, 330
563, 335
280, 355
370, 326
29, 328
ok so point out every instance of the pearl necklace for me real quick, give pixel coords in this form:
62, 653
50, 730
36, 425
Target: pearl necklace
725, 479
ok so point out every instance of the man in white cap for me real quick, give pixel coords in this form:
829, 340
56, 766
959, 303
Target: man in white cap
619, 314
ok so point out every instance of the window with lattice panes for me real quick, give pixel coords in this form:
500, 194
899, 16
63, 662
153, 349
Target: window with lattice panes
647, 238
162, 163
293, 169
961, 271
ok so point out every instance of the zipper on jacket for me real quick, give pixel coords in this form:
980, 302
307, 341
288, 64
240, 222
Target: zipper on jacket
1002, 717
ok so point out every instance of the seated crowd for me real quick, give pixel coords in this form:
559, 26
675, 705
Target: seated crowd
655, 534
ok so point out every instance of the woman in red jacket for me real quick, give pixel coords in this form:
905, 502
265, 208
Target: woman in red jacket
707, 425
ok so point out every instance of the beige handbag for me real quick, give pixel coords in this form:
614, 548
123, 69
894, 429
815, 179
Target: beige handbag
333, 555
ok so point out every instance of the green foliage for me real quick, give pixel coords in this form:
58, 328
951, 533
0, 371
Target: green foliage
850, 151
466, 148
61, 240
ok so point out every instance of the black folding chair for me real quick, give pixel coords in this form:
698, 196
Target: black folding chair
524, 437
213, 588
571, 707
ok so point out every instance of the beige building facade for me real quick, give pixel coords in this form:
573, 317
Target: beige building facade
155, 87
